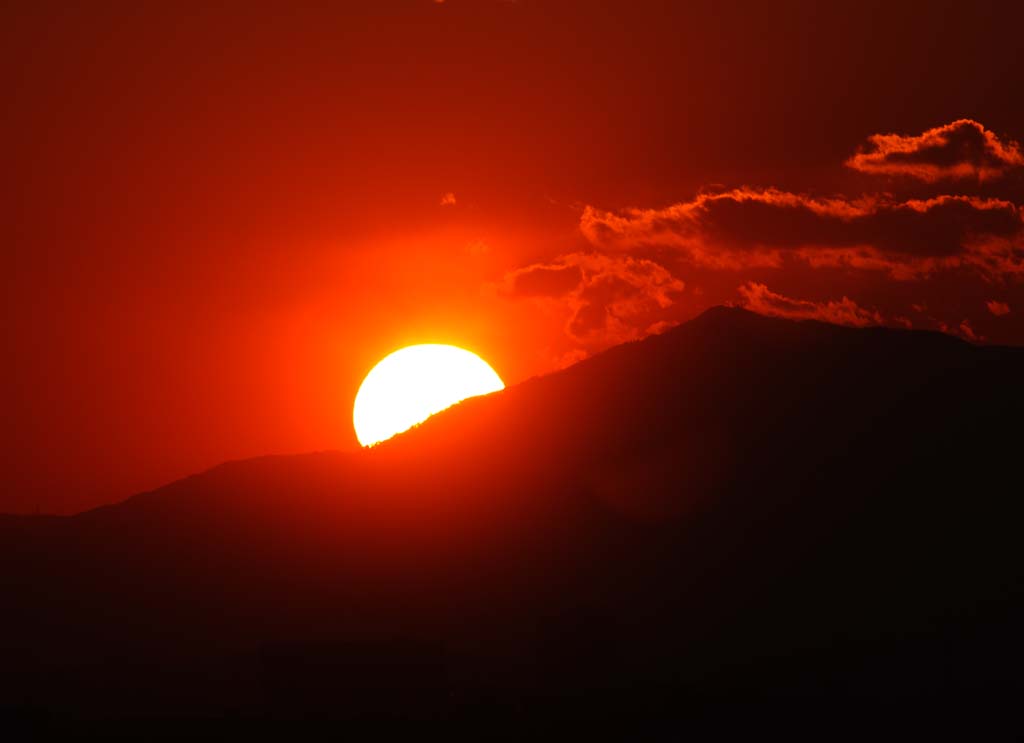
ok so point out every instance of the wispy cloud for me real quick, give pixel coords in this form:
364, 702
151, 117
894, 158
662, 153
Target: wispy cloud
898, 248
759, 298
961, 149
609, 298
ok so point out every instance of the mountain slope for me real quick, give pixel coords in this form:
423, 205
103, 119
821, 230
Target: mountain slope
742, 508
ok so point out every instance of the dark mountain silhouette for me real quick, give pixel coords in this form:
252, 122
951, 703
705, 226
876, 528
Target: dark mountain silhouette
740, 521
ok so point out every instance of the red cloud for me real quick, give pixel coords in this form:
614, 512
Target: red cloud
620, 291
611, 299
545, 280
998, 308
968, 332
962, 149
747, 228
759, 298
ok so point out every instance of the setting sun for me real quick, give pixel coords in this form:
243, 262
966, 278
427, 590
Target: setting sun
412, 384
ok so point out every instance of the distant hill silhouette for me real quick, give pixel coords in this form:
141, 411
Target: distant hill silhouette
743, 513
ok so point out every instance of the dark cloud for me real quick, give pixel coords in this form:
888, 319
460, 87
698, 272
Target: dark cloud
610, 298
962, 149
748, 228
759, 298
952, 248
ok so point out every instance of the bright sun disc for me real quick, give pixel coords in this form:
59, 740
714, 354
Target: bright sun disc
412, 384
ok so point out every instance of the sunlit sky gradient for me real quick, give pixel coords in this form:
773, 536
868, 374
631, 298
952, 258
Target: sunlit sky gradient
218, 221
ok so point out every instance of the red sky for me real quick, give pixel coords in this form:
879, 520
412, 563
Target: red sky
216, 221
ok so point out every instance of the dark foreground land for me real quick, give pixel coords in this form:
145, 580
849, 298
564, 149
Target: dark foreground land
745, 524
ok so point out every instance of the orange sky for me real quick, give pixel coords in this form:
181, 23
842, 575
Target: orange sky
218, 221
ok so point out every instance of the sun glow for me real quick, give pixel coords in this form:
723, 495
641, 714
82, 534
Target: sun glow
412, 384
